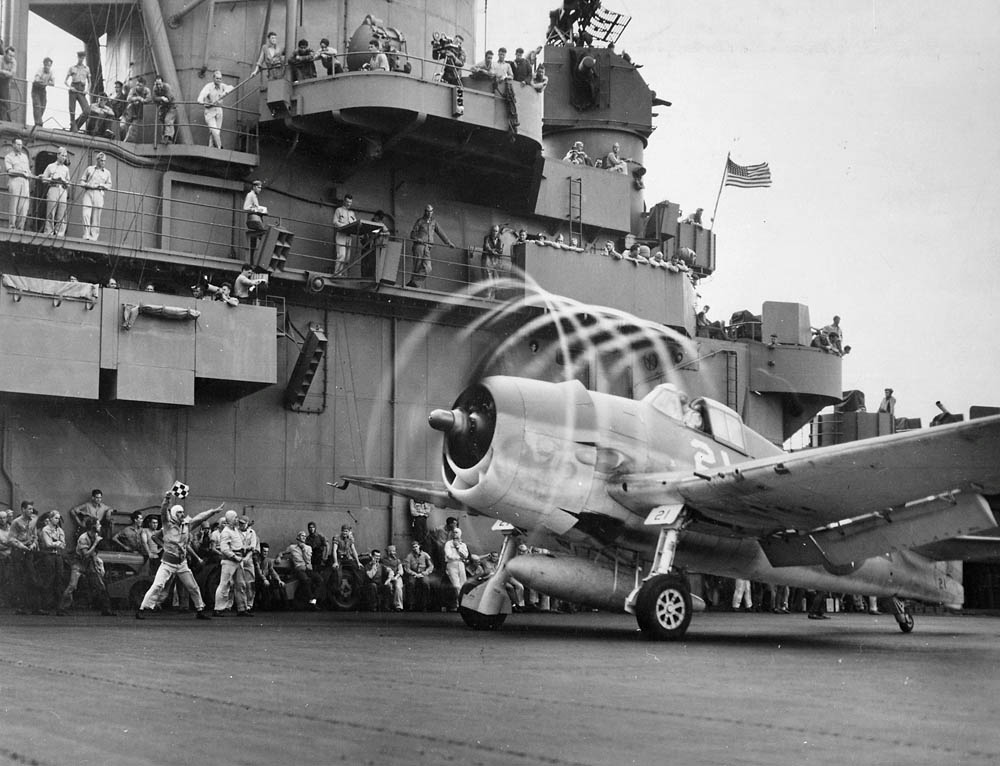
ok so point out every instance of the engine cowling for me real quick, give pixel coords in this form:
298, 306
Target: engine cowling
522, 450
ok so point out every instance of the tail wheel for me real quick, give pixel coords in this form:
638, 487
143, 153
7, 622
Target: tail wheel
663, 609
478, 620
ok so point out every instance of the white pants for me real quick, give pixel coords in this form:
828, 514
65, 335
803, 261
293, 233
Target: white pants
55, 210
342, 246
183, 573
250, 581
17, 188
213, 118
742, 593
456, 576
93, 204
231, 584
397, 593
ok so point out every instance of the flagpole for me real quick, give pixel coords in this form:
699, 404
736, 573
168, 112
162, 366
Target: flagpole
721, 184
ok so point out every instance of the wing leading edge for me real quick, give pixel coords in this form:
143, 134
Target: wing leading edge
422, 491
838, 505
818, 487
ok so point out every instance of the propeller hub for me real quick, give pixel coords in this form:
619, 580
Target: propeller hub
442, 420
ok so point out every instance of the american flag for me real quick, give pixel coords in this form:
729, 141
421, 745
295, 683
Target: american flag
749, 176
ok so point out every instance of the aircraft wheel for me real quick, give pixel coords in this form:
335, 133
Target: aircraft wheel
478, 620
903, 617
663, 609
905, 621
344, 590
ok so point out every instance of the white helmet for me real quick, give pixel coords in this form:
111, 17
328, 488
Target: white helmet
231, 517
176, 513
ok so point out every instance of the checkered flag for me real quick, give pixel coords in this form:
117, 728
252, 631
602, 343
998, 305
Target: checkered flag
179, 490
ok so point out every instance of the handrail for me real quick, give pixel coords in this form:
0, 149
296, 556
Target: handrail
143, 223
465, 72
134, 220
243, 128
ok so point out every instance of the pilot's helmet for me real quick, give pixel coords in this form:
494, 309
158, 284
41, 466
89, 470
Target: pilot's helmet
176, 513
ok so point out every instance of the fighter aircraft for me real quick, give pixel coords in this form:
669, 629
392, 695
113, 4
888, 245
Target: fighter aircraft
687, 487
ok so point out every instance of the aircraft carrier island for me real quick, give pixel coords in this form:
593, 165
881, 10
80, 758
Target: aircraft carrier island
420, 224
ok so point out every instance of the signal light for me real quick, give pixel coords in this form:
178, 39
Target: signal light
315, 283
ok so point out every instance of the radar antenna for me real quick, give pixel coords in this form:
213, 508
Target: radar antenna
582, 22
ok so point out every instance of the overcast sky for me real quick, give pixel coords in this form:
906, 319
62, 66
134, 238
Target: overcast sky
880, 124
880, 121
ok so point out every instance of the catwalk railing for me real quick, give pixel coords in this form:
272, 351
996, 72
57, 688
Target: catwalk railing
201, 234
238, 128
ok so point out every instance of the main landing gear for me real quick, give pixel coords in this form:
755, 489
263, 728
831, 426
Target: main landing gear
476, 619
662, 603
663, 607
903, 617
484, 604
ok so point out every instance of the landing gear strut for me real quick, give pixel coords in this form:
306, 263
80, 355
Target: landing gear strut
475, 619
903, 617
484, 604
662, 603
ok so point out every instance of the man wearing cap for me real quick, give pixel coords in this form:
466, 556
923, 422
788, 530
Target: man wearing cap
78, 82
423, 232
8, 68
888, 403
51, 562
173, 562
39, 94
96, 181
232, 584
18, 166
56, 180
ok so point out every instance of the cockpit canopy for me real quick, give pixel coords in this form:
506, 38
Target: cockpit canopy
707, 415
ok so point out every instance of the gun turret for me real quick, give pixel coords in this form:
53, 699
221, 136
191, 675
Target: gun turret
945, 416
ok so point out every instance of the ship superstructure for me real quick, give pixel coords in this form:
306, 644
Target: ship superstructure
107, 384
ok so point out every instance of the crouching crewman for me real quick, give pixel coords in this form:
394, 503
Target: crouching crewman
88, 565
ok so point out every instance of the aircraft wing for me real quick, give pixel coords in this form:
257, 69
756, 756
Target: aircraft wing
898, 491
422, 491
